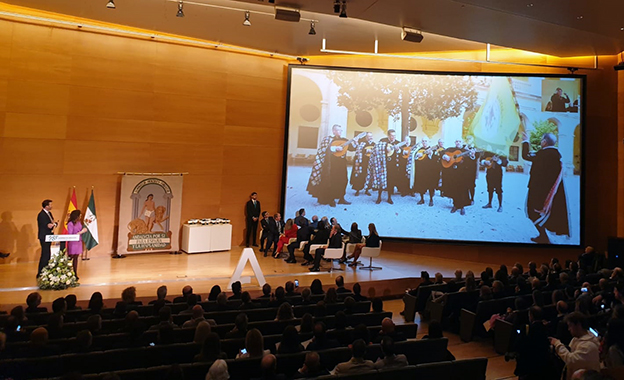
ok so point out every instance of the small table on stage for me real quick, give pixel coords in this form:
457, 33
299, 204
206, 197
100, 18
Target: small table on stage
55, 247
197, 238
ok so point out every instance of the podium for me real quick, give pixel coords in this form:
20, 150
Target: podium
55, 247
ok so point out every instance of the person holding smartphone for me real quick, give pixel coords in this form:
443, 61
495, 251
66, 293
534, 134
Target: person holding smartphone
584, 352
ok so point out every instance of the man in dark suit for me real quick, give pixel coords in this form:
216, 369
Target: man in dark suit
546, 202
253, 214
303, 234
45, 226
274, 226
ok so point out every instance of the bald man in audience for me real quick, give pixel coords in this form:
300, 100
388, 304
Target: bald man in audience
388, 328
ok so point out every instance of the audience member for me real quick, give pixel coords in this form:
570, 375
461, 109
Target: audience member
246, 302
218, 371
390, 359
290, 289
357, 293
55, 326
83, 342
532, 349
306, 297
254, 345
222, 302
331, 297
38, 346
361, 332
210, 349
388, 329
311, 367
201, 332
285, 312
584, 347
96, 303
186, 291
197, 316
377, 305
320, 340
165, 319
214, 293
290, 342
161, 294
237, 290
307, 323
268, 365
59, 306
70, 301
94, 324
240, 327
341, 286
316, 287
191, 302
266, 292
357, 364
614, 344
33, 301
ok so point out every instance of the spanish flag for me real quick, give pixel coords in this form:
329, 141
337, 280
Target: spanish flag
497, 121
73, 205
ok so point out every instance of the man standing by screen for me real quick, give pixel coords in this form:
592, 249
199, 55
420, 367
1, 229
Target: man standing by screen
253, 214
546, 202
494, 177
384, 166
45, 226
328, 180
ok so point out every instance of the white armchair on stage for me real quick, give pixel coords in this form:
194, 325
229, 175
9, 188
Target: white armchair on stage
370, 253
334, 254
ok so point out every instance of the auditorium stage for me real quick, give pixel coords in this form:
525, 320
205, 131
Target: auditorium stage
148, 271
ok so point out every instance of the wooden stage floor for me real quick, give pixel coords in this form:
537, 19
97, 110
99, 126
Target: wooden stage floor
202, 271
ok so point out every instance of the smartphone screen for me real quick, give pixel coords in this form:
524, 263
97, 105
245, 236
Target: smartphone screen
18, 328
296, 283
518, 331
584, 290
593, 331
243, 351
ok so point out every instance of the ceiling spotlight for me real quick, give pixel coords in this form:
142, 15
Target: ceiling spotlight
343, 9
247, 22
180, 9
579, 17
111, 4
312, 30
337, 6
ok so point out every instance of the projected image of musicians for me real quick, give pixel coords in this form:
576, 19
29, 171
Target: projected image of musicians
361, 160
546, 202
427, 171
328, 181
494, 177
384, 166
457, 179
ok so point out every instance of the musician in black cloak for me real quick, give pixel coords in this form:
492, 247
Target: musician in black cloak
427, 171
361, 158
546, 201
494, 164
328, 181
457, 178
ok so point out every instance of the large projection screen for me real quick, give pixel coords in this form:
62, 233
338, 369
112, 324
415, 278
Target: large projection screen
429, 156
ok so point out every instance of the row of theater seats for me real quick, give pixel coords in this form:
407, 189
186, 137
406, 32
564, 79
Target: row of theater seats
230, 346
147, 360
148, 310
224, 319
467, 369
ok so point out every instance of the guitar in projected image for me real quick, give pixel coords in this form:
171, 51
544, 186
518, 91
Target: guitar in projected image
390, 149
426, 153
368, 150
456, 157
487, 162
344, 143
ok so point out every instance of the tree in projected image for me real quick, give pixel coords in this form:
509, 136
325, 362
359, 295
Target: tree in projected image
435, 98
540, 128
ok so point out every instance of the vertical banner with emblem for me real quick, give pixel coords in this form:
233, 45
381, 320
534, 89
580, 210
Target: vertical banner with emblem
149, 213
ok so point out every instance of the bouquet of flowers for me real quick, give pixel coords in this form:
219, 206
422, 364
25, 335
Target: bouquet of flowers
58, 274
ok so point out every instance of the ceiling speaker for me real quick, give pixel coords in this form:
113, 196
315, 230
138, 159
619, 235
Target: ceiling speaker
287, 14
411, 35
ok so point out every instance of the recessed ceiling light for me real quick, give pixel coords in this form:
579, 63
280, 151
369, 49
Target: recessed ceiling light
530, 5
579, 17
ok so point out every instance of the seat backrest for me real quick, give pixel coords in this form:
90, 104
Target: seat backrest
469, 369
371, 252
334, 253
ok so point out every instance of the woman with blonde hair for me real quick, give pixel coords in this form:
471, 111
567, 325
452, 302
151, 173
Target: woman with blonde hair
201, 332
254, 345
218, 371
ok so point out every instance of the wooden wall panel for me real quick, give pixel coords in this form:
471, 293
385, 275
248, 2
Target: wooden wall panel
111, 103
26, 156
189, 109
35, 126
40, 66
4, 85
37, 97
256, 114
113, 73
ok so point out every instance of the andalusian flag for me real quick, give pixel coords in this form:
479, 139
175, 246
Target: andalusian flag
73, 205
497, 121
90, 237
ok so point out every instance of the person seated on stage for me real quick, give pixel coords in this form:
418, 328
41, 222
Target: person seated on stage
290, 343
372, 241
306, 297
320, 238
165, 319
335, 241
357, 293
290, 232
214, 293
390, 359
240, 327
186, 291
33, 301
314, 222
311, 367
303, 234
254, 344
237, 289
161, 294
247, 304
355, 237
388, 329
357, 364
290, 289
300, 219
316, 287
211, 349
320, 340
